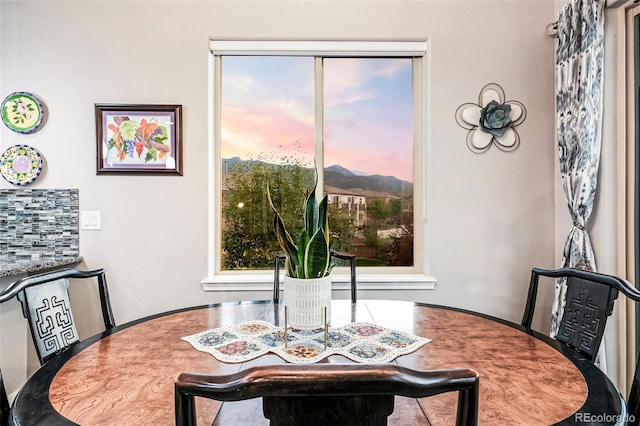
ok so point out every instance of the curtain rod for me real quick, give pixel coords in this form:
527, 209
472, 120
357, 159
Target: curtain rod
552, 28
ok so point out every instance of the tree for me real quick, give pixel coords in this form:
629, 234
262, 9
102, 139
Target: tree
400, 251
395, 207
248, 239
377, 209
379, 245
341, 228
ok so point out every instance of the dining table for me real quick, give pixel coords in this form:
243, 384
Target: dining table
126, 375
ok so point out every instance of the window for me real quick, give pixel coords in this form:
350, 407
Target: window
633, 150
633, 127
355, 110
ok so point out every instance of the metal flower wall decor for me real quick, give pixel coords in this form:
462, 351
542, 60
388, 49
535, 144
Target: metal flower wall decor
491, 120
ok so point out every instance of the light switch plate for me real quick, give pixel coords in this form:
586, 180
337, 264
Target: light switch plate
90, 221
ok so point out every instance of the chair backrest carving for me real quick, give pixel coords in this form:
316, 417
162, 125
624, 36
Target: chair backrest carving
588, 305
50, 316
590, 297
46, 305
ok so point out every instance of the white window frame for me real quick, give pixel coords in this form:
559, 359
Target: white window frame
398, 279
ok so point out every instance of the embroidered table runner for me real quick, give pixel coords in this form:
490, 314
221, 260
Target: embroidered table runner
360, 342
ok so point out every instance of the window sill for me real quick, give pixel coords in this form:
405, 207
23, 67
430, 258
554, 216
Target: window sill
264, 282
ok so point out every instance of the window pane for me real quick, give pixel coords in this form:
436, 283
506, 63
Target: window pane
267, 135
267, 106
368, 155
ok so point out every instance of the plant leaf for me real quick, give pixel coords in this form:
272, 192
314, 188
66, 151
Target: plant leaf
284, 239
323, 217
311, 258
286, 242
317, 256
311, 207
311, 213
303, 242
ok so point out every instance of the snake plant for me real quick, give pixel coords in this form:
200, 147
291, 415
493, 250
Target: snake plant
310, 255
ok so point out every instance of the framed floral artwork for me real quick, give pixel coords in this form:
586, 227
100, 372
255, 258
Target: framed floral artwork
133, 139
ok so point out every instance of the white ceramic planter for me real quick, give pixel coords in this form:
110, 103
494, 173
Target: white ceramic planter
305, 300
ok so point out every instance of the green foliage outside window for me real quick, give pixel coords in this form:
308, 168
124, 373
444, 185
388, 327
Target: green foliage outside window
378, 209
400, 251
341, 227
248, 239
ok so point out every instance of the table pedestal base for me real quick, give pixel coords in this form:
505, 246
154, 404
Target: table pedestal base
342, 410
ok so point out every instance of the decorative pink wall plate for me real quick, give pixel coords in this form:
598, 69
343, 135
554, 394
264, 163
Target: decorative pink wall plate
21, 165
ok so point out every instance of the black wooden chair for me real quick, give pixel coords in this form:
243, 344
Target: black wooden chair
590, 298
4, 404
589, 302
324, 394
46, 306
279, 258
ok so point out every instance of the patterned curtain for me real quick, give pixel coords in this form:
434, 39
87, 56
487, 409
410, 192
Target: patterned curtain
579, 64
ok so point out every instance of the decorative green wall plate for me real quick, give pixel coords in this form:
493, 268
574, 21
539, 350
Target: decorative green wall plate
22, 112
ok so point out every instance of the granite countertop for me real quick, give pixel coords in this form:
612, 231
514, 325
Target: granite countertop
8, 269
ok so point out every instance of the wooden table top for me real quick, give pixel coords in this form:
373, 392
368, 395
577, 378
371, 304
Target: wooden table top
126, 376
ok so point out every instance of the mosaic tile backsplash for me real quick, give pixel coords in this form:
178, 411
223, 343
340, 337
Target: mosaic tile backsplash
38, 224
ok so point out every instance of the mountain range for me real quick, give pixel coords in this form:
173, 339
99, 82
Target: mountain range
341, 177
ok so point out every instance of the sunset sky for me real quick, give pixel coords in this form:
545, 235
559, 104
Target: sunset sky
267, 106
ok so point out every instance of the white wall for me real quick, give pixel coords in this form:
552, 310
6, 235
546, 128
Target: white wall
490, 216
